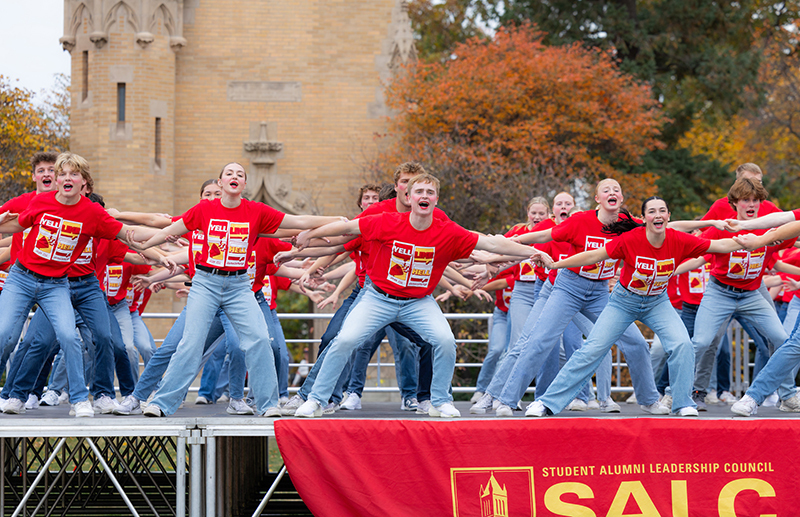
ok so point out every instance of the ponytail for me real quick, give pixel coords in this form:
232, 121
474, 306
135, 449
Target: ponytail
625, 223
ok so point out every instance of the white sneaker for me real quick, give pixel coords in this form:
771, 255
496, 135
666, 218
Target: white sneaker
476, 397
201, 400
129, 405
791, 405
666, 400
686, 411
309, 409
330, 409
609, 406
290, 407
64, 397
83, 409
272, 412
50, 398
104, 405
771, 401
446, 410
577, 405
424, 407
153, 411
353, 402
344, 398
283, 400
536, 409
14, 407
711, 398
483, 405
593, 404
409, 404
239, 407
32, 402
503, 410
656, 408
223, 398
727, 397
746, 406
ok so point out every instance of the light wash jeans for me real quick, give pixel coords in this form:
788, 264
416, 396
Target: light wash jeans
278, 342
773, 376
233, 295
749, 307
373, 312
142, 338
523, 299
572, 294
122, 313
405, 358
21, 291
498, 342
624, 308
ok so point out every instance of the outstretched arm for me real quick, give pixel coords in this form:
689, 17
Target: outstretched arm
338, 227
760, 223
752, 241
584, 258
501, 245
687, 226
134, 235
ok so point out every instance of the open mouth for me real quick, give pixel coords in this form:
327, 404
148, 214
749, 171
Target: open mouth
424, 204
47, 182
234, 184
751, 213
658, 224
67, 187
612, 201
564, 214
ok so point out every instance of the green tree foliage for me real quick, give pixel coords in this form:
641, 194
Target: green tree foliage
26, 128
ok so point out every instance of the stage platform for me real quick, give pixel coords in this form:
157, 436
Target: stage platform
229, 465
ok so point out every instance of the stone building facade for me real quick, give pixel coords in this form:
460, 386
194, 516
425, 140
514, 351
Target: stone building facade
165, 92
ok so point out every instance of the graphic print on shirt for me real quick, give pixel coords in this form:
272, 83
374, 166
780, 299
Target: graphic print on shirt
227, 243
198, 239
746, 265
113, 280
602, 270
57, 238
267, 290
129, 296
526, 271
651, 276
3, 276
410, 265
251, 268
698, 279
86, 256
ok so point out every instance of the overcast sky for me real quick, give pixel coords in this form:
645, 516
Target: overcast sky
29, 47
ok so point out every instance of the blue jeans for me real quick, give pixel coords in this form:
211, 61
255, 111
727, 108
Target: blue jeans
237, 370
232, 294
122, 313
498, 342
21, 291
523, 299
572, 294
142, 338
749, 307
405, 354
278, 341
773, 376
153, 372
624, 308
373, 312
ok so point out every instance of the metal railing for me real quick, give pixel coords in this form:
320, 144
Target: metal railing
740, 362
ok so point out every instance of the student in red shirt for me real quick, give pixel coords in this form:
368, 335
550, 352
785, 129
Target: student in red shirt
408, 256
231, 225
61, 224
650, 255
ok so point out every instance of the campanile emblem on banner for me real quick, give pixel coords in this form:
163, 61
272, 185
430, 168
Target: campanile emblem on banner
492, 492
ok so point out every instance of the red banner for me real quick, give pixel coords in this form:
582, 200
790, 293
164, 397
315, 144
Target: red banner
665, 467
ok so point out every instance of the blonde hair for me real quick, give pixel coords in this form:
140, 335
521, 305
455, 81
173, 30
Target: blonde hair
77, 163
423, 178
602, 181
538, 200
409, 168
748, 167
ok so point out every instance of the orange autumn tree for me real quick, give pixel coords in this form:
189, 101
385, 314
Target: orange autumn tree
511, 118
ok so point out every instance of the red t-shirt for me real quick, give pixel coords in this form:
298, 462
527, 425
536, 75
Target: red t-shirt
261, 259
674, 293
502, 297
722, 209
743, 268
137, 300
557, 251
230, 232
407, 262
271, 286
359, 254
18, 205
4, 273
528, 271
692, 284
646, 269
790, 256
796, 213
59, 232
584, 231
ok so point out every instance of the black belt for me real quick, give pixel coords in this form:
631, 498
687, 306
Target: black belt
692, 305
81, 278
730, 287
393, 297
37, 275
220, 272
